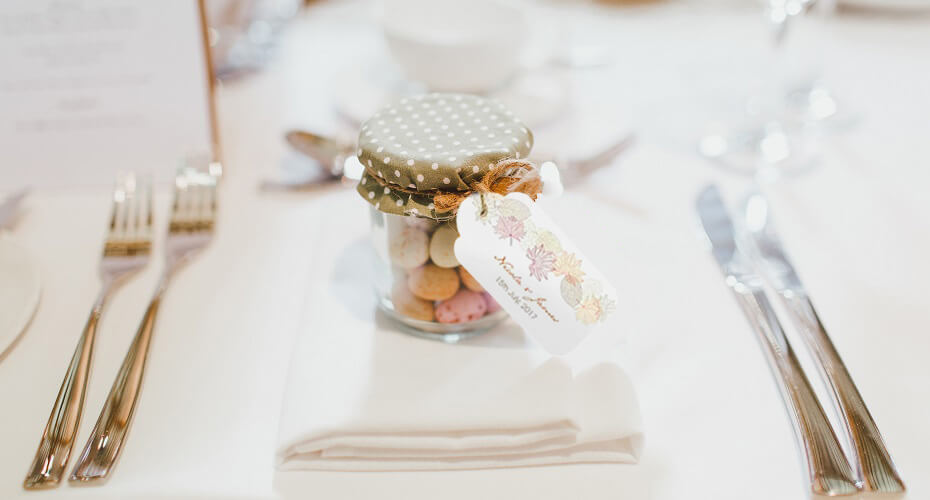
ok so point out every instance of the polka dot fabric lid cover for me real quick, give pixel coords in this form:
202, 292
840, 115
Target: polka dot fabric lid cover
434, 143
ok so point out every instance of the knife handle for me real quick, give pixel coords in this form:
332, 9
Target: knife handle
874, 462
828, 469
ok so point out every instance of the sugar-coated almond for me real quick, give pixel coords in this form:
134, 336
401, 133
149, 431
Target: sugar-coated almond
432, 282
409, 247
465, 306
492, 304
442, 247
421, 223
469, 281
407, 304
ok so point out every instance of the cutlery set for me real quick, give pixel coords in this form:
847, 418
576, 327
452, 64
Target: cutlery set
126, 251
752, 259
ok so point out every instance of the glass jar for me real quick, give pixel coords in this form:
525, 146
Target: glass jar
421, 155
420, 283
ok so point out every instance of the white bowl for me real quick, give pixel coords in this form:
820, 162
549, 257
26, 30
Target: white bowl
455, 45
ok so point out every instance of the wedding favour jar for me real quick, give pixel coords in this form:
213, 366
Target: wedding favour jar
422, 156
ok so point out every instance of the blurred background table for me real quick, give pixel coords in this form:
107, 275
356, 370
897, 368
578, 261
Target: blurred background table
859, 228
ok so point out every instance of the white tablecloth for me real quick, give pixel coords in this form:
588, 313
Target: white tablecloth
858, 228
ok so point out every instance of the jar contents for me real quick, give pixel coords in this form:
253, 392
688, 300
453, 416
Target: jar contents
426, 282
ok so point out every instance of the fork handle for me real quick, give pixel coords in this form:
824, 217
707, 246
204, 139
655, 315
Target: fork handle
828, 469
875, 464
63, 422
106, 441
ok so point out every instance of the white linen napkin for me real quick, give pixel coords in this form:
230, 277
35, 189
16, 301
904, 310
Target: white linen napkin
363, 396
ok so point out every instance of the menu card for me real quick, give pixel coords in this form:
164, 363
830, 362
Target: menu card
90, 88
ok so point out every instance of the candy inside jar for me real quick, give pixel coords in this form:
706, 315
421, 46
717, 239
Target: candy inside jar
422, 156
425, 286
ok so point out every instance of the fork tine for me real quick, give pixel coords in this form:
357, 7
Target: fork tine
175, 202
142, 216
176, 199
122, 198
118, 197
212, 206
149, 208
195, 201
195, 204
189, 200
206, 203
132, 202
180, 201
130, 224
135, 225
193, 195
180, 195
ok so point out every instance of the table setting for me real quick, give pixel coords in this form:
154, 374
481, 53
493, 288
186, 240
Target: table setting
494, 249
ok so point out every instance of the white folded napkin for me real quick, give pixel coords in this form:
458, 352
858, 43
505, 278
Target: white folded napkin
363, 396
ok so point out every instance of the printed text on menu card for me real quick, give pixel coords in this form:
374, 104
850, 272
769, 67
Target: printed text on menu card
90, 89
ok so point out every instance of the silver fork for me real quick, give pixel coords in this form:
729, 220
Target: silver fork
126, 251
190, 230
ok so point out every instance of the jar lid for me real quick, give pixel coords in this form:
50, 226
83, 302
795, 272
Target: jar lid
426, 144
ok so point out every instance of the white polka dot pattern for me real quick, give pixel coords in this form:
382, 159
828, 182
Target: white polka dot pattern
435, 142
446, 155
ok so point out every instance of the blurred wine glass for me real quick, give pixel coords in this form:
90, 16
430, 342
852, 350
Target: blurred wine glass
778, 131
806, 96
244, 33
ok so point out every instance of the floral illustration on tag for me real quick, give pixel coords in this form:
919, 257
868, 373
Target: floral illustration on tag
541, 261
569, 267
509, 228
510, 221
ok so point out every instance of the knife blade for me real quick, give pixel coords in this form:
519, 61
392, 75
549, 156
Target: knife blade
9, 206
828, 470
872, 462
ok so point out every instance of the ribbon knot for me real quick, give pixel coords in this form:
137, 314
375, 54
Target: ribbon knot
507, 176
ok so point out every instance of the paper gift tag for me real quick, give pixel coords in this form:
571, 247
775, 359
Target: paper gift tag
532, 269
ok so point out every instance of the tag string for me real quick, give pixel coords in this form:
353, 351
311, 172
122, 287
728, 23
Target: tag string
484, 205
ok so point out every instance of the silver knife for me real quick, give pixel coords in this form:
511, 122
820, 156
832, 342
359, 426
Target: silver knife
872, 461
829, 472
9, 206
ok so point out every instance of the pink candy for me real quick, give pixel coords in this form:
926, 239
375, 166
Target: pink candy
464, 306
492, 304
